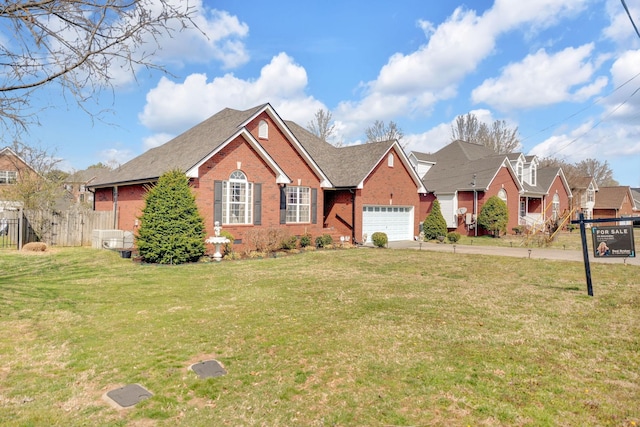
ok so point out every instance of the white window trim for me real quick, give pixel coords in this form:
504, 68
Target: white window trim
8, 177
390, 160
555, 206
298, 209
243, 190
263, 130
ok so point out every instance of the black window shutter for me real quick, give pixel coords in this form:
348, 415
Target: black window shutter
314, 205
283, 205
217, 201
257, 204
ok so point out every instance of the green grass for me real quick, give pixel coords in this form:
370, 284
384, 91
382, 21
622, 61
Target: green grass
346, 337
562, 240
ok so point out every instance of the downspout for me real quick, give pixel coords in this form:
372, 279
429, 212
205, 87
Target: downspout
353, 215
475, 211
475, 206
115, 207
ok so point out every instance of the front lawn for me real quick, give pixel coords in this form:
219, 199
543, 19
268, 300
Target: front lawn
353, 337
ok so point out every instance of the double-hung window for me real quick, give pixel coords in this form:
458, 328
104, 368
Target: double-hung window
237, 199
8, 177
298, 204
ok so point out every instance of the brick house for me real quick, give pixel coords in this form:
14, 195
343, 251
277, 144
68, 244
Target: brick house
614, 202
252, 169
76, 185
584, 190
463, 176
13, 169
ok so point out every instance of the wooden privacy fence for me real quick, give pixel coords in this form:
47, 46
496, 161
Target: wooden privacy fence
64, 228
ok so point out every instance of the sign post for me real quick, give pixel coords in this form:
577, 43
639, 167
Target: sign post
609, 241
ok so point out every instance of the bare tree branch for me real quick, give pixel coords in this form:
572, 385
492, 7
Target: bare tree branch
321, 125
76, 44
499, 137
381, 132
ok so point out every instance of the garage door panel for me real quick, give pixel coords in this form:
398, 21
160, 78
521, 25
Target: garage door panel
395, 221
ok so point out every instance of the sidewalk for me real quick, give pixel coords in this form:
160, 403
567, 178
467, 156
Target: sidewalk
533, 253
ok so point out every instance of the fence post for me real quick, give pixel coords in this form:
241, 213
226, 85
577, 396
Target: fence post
20, 228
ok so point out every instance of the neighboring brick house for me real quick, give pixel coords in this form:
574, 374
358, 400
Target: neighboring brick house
614, 202
463, 176
584, 191
252, 169
77, 183
13, 169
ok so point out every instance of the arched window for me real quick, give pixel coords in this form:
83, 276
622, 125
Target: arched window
237, 199
263, 130
390, 160
502, 194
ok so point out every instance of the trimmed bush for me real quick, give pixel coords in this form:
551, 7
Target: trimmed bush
324, 241
265, 240
453, 236
379, 239
434, 224
171, 229
290, 242
305, 240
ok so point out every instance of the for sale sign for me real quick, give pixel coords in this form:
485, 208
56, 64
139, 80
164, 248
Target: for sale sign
613, 241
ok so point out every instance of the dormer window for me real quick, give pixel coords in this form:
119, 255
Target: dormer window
263, 130
533, 174
390, 160
519, 171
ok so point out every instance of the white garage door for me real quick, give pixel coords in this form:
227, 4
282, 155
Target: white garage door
395, 221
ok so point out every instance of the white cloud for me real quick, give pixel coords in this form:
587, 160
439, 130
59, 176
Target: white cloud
592, 140
115, 156
430, 141
218, 37
621, 30
542, 79
624, 103
173, 107
413, 83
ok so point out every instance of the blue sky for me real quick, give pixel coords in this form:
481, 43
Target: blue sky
555, 69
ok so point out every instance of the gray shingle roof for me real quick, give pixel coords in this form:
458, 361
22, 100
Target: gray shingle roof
183, 151
344, 166
461, 164
635, 192
425, 157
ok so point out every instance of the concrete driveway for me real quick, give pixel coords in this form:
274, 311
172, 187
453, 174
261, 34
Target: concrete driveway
533, 253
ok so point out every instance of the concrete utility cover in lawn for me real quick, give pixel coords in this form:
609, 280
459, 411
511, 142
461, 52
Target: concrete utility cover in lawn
129, 395
208, 369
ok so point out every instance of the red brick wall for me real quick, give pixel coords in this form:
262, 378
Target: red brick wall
503, 179
392, 186
557, 188
238, 154
339, 211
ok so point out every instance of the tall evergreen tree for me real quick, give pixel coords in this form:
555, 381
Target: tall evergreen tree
494, 216
171, 230
434, 224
